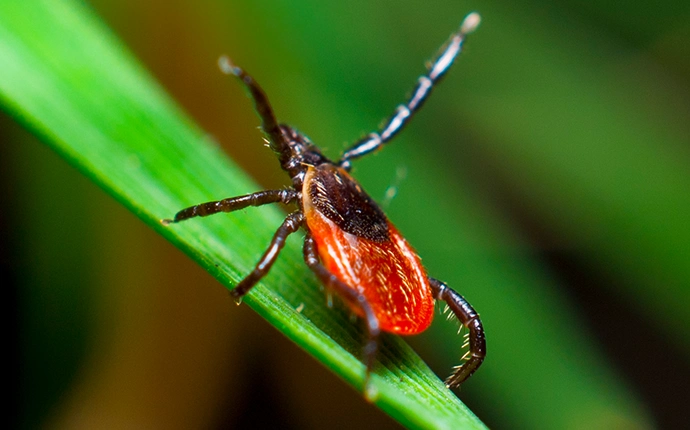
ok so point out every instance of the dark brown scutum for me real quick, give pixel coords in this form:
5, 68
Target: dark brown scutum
341, 199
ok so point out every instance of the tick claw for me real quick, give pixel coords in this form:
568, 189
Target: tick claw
371, 392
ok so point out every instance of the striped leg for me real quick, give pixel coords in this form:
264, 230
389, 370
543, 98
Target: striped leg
470, 319
425, 84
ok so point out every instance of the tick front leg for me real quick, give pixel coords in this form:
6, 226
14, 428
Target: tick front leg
234, 203
425, 84
351, 296
269, 124
470, 319
291, 224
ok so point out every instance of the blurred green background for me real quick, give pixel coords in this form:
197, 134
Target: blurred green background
547, 181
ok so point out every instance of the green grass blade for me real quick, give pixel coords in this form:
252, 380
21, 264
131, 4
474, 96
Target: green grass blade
68, 79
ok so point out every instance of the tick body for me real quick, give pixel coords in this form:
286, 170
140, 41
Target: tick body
349, 243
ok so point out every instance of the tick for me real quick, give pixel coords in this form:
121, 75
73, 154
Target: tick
349, 243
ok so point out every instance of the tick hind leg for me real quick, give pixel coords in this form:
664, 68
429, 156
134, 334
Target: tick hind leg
425, 85
470, 319
351, 296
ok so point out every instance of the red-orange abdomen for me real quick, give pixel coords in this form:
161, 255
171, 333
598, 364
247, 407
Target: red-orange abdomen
357, 244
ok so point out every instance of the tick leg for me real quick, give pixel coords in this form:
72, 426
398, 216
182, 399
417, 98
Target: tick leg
269, 124
470, 319
350, 295
291, 224
234, 203
425, 84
